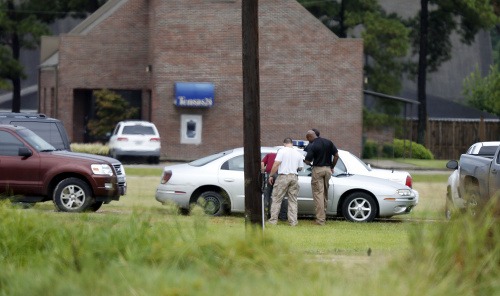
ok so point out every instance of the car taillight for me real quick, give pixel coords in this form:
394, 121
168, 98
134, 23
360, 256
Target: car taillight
166, 176
154, 140
122, 139
409, 181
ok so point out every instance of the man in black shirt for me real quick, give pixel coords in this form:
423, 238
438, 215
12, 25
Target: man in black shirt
322, 155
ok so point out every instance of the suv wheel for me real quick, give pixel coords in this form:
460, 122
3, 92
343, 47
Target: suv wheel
72, 195
95, 206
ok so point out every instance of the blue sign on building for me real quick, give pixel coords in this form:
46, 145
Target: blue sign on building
194, 94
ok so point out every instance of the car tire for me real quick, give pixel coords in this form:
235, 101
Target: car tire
359, 207
472, 199
154, 160
449, 209
95, 206
72, 195
212, 203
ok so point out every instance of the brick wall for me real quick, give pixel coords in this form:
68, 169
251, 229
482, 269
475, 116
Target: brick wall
308, 77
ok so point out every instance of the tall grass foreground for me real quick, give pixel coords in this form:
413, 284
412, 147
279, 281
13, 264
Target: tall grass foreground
87, 254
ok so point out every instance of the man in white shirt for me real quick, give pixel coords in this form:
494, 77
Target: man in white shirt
287, 163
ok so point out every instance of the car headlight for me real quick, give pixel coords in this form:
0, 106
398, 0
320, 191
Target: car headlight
404, 192
102, 169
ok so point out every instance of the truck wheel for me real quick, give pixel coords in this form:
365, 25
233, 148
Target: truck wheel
449, 208
72, 195
359, 207
472, 199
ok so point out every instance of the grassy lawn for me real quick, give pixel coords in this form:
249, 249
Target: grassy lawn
137, 246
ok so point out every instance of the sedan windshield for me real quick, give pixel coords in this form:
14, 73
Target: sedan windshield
34, 140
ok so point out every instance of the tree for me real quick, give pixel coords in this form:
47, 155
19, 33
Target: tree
484, 93
431, 31
22, 23
386, 39
110, 109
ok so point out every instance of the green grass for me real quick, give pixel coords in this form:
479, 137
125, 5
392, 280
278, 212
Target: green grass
138, 247
424, 163
143, 171
430, 178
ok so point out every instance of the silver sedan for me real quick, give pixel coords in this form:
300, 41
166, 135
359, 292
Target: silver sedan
217, 183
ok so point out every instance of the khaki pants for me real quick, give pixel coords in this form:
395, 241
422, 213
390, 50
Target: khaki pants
319, 183
285, 185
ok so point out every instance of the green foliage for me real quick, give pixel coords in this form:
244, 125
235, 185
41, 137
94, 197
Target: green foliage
22, 23
156, 252
110, 109
386, 39
397, 149
370, 149
483, 92
465, 17
418, 151
495, 42
95, 148
461, 257
378, 119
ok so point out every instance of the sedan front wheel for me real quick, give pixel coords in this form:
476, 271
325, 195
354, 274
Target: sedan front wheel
359, 207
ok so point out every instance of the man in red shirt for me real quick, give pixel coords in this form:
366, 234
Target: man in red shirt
266, 165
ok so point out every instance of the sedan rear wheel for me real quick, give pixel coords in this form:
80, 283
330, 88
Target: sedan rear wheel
359, 207
212, 202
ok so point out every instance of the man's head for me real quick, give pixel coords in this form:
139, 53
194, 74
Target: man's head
311, 135
315, 131
288, 142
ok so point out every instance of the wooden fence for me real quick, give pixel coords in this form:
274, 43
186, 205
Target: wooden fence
448, 139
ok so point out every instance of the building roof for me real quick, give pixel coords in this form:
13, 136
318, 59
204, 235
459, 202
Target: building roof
437, 108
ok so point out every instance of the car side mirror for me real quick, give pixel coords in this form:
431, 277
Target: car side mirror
452, 164
24, 152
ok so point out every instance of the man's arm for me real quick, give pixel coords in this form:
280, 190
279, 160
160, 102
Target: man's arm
274, 170
334, 161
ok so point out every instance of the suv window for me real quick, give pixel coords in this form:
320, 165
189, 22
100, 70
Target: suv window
9, 145
46, 130
138, 130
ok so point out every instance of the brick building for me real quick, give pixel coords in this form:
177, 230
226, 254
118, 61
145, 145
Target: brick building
143, 48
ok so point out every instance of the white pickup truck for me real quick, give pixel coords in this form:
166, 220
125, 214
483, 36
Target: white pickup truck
476, 179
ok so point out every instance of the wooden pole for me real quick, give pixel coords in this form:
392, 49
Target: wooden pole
251, 111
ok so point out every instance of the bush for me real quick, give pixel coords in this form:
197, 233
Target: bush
98, 149
396, 149
418, 151
370, 149
461, 257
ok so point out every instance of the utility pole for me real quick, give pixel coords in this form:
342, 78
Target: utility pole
251, 111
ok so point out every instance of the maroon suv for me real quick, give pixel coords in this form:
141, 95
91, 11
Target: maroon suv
32, 170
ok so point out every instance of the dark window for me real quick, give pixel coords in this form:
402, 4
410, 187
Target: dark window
46, 130
138, 130
487, 150
9, 145
237, 163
